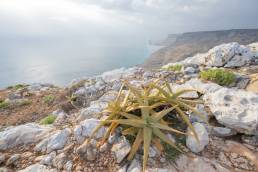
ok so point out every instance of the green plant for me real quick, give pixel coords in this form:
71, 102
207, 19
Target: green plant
146, 115
4, 105
176, 67
50, 119
24, 102
220, 76
49, 99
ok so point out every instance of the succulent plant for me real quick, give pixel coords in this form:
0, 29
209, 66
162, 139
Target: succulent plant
142, 113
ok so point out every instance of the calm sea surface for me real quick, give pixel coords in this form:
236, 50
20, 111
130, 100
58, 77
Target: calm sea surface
60, 61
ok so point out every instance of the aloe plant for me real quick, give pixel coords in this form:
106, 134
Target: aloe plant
142, 114
173, 98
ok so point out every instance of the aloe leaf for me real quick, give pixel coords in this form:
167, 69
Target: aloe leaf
126, 98
162, 91
146, 146
194, 110
165, 139
128, 115
136, 93
120, 92
136, 144
130, 131
159, 115
130, 122
165, 127
169, 87
187, 121
102, 123
158, 145
109, 130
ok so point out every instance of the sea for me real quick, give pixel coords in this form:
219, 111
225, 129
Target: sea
26, 61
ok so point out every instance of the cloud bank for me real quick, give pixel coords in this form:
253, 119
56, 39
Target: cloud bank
146, 18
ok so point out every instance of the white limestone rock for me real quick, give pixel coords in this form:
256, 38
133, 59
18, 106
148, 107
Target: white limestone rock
37, 168
13, 159
47, 159
201, 86
203, 136
86, 127
113, 75
135, 166
177, 87
222, 132
234, 108
90, 112
59, 161
22, 135
228, 55
200, 164
121, 149
56, 141
68, 166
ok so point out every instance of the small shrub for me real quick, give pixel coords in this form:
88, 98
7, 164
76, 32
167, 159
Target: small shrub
4, 105
176, 67
220, 76
49, 99
50, 119
16, 87
25, 102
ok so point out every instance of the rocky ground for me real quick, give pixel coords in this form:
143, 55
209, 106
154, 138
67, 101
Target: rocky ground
228, 143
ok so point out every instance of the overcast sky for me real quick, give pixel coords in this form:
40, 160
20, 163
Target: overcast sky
149, 18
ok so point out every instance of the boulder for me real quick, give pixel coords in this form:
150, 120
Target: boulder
203, 136
85, 129
22, 135
55, 142
121, 149
37, 168
234, 108
13, 159
2, 158
92, 111
59, 161
135, 166
200, 164
47, 159
113, 75
222, 132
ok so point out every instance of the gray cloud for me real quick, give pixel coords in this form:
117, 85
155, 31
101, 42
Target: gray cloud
148, 18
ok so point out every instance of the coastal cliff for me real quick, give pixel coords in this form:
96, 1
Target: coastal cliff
180, 46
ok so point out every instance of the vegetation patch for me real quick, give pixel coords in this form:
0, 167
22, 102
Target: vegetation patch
49, 99
4, 105
176, 67
50, 119
219, 76
24, 103
17, 86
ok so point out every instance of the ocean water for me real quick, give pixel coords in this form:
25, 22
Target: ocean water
60, 61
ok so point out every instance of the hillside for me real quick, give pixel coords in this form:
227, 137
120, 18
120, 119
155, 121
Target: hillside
188, 44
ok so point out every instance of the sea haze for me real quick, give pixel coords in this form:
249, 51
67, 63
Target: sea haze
58, 61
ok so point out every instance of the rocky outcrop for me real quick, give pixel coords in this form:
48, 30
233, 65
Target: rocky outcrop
188, 44
224, 55
21, 135
235, 109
